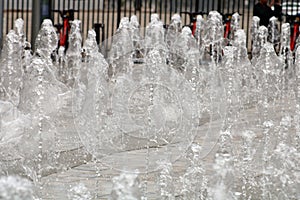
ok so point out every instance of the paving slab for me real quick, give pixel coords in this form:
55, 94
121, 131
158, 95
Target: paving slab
97, 175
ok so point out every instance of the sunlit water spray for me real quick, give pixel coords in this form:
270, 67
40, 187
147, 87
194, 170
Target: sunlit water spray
145, 106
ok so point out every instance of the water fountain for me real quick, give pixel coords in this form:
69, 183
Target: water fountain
254, 36
273, 36
165, 116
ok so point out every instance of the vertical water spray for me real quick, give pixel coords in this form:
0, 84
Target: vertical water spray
186, 54
214, 35
269, 68
155, 35
285, 53
274, 35
25, 45
154, 19
12, 121
262, 36
19, 29
230, 73
268, 72
62, 71
288, 69
33, 96
92, 79
294, 150
229, 81
150, 124
173, 30
286, 76
297, 88
121, 53
194, 181
93, 59
90, 53
156, 56
165, 180
243, 72
283, 160
254, 36
11, 68
222, 180
138, 52
184, 50
235, 25
27, 56
248, 180
172, 34
258, 62
73, 54
94, 69
199, 35
224, 159
40, 90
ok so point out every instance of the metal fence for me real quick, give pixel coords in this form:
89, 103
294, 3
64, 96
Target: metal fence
109, 12
10, 10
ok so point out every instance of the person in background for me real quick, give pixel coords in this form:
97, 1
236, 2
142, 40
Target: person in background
265, 12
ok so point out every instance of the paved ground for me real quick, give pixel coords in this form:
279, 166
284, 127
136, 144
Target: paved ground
97, 177
75, 165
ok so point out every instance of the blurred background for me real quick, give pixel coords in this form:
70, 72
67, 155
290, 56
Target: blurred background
105, 15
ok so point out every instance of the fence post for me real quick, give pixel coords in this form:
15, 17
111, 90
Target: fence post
40, 11
219, 6
1, 23
197, 6
45, 9
119, 12
36, 20
51, 14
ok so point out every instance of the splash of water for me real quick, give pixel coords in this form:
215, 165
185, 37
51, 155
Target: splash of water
173, 30
194, 179
73, 54
79, 192
151, 107
254, 36
183, 49
258, 43
126, 187
11, 68
234, 25
155, 35
165, 180
13, 187
199, 35
138, 54
274, 35
297, 115
120, 55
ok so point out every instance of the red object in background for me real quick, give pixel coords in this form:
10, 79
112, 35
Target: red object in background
194, 28
227, 29
193, 19
295, 34
64, 32
63, 29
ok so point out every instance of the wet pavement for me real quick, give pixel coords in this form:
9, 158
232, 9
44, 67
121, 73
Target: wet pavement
97, 175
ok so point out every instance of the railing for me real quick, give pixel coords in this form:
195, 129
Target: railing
10, 10
107, 13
